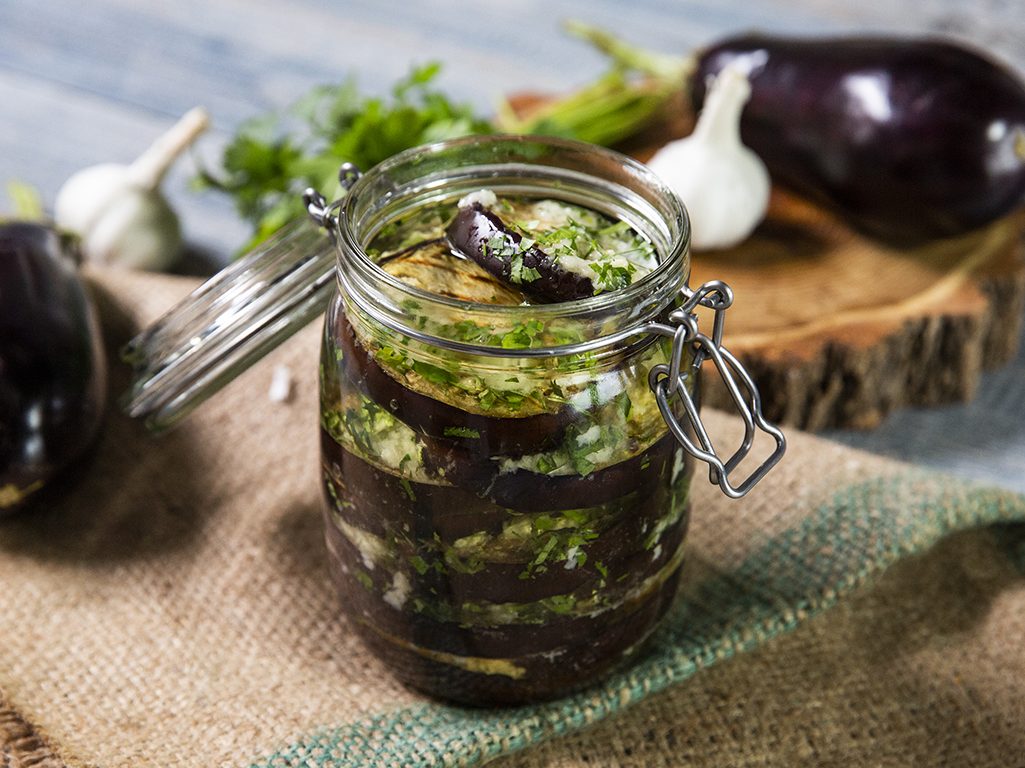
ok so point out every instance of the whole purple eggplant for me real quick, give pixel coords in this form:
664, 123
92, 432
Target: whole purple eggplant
910, 140
52, 370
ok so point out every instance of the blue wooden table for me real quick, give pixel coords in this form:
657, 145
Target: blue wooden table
82, 83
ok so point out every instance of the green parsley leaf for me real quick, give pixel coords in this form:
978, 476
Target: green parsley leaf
419, 564
433, 373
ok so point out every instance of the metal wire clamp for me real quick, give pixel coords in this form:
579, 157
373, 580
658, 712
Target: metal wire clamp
669, 380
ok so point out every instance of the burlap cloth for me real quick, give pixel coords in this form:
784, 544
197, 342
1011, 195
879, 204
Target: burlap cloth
172, 608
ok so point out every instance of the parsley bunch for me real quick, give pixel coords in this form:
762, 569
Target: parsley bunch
274, 158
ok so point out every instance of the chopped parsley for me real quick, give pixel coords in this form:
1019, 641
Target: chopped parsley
407, 488
419, 564
611, 277
364, 579
461, 432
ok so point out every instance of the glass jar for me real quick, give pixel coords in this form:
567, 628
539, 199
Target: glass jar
506, 488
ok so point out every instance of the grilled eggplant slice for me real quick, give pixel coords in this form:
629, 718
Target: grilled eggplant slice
531, 491
550, 250
502, 663
431, 266
486, 435
502, 568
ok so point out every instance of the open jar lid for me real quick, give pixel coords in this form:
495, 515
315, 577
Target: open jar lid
228, 323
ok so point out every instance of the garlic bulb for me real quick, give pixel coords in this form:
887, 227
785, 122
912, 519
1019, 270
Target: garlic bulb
724, 185
118, 210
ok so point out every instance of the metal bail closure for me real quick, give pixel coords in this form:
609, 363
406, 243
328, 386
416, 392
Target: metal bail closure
236, 317
669, 380
319, 210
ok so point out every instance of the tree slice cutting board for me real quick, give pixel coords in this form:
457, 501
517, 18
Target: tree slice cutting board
838, 329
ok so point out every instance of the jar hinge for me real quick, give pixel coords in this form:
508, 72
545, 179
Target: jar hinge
669, 380
319, 209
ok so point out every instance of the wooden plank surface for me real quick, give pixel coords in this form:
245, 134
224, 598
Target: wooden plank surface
88, 82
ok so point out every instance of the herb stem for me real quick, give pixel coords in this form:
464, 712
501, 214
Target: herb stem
661, 66
622, 101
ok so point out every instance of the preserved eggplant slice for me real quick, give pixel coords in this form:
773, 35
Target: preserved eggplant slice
504, 662
480, 235
532, 491
494, 666
488, 435
378, 499
573, 560
604, 454
551, 250
430, 266
521, 484
463, 549
528, 490
524, 625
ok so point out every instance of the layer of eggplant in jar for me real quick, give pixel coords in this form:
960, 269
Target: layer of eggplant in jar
502, 529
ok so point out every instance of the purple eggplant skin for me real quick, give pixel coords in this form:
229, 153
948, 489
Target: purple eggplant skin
909, 139
434, 418
52, 364
473, 233
526, 491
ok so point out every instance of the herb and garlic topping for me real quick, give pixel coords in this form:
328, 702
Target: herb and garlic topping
552, 251
508, 250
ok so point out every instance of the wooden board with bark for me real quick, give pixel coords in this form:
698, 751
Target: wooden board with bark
838, 329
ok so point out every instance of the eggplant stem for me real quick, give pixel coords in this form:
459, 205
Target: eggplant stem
661, 66
616, 105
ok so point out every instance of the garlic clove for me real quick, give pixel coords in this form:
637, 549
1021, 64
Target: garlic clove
724, 212
723, 184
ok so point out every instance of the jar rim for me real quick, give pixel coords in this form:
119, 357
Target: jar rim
352, 255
